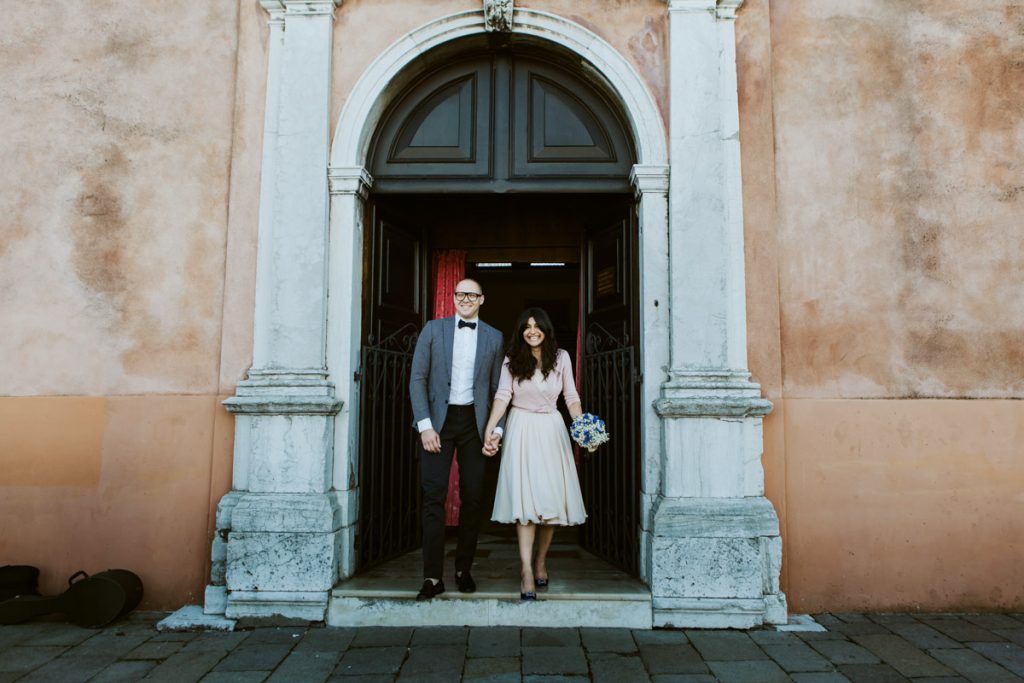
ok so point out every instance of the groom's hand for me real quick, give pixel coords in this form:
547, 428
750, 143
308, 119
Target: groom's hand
492, 445
431, 441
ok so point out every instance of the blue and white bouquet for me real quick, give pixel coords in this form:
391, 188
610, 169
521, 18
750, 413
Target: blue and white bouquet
588, 431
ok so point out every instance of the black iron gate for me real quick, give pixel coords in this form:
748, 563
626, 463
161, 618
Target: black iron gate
611, 475
389, 470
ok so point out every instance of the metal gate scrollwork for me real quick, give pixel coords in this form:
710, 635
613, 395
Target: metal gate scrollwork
389, 473
610, 384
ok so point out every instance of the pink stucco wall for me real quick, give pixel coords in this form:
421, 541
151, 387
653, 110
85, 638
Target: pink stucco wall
883, 157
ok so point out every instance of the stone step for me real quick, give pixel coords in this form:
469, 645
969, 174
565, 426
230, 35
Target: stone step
355, 607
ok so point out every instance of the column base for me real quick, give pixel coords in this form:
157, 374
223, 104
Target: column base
283, 552
715, 563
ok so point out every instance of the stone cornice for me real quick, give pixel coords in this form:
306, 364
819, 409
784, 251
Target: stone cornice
276, 8
649, 178
712, 406
349, 180
723, 9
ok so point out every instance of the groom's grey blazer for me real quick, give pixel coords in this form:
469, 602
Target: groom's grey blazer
431, 381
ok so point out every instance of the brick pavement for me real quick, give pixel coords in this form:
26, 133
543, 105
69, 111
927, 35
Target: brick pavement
857, 648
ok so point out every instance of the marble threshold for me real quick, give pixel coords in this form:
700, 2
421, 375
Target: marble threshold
584, 591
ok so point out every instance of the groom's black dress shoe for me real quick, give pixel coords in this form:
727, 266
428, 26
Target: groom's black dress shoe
430, 589
465, 582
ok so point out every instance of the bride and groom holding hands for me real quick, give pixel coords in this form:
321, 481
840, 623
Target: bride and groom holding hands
462, 383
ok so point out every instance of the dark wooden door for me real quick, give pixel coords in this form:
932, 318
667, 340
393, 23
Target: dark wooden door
610, 387
394, 291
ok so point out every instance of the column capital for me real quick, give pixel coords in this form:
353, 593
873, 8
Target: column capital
349, 180
652, 178
722, 9
301, 7
276, 9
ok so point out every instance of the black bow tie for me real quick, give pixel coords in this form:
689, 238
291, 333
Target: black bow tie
463, 323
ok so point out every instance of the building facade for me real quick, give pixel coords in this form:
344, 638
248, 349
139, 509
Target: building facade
214, 194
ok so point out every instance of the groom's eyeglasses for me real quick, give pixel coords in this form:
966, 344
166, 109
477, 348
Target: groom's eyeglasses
472, 296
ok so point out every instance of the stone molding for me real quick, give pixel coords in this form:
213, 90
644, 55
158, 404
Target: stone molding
722, 9
352, 135
276, 10
712, 406
651, 178
284, 392
349, 180
310, 7
498, 15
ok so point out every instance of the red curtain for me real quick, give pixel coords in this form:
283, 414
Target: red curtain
449, 267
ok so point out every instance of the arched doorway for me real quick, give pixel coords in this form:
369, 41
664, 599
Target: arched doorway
510, 157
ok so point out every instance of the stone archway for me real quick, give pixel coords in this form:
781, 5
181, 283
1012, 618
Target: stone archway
710, 548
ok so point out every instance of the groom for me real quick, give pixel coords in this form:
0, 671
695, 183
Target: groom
455, 371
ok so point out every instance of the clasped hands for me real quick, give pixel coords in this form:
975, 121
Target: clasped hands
492, 444
432, 442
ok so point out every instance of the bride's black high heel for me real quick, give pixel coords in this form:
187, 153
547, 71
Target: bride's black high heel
528, 595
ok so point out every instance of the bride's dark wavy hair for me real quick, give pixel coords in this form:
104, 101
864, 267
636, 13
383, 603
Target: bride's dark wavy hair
521, 362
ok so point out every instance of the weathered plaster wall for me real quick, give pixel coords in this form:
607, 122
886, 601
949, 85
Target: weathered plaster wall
117, 141
883, 154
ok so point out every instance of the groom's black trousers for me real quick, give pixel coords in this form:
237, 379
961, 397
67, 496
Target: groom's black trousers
460, 435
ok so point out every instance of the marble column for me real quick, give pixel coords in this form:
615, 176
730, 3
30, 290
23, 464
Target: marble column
278, 530
715, 548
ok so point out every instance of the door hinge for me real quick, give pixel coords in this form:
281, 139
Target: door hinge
357, 376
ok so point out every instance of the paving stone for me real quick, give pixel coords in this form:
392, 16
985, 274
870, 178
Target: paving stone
924, 636
797, 656
492, 670
660, 637
308, 666
554, 659
765, 671
447, 659
608, 640
827, 620
182, 636
612, 667
59, 634
1010, 656
902, 656
860, 628
442, 635
683, 678
84, 661
275, 635
494, 642
973, 666
381, 637
872, 673
235, 677
819, 635
186, 665
326, 640
961, 630
216, 641
843, 652
725, 646
158, 650
551, 637
774, 638
941, 679
259, 657
21, 658
371, 678
1015, 635
672, 659
885, 619
555, 679
371, 660
992, 621
421, 677
851, 617
123, 672
820, 677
